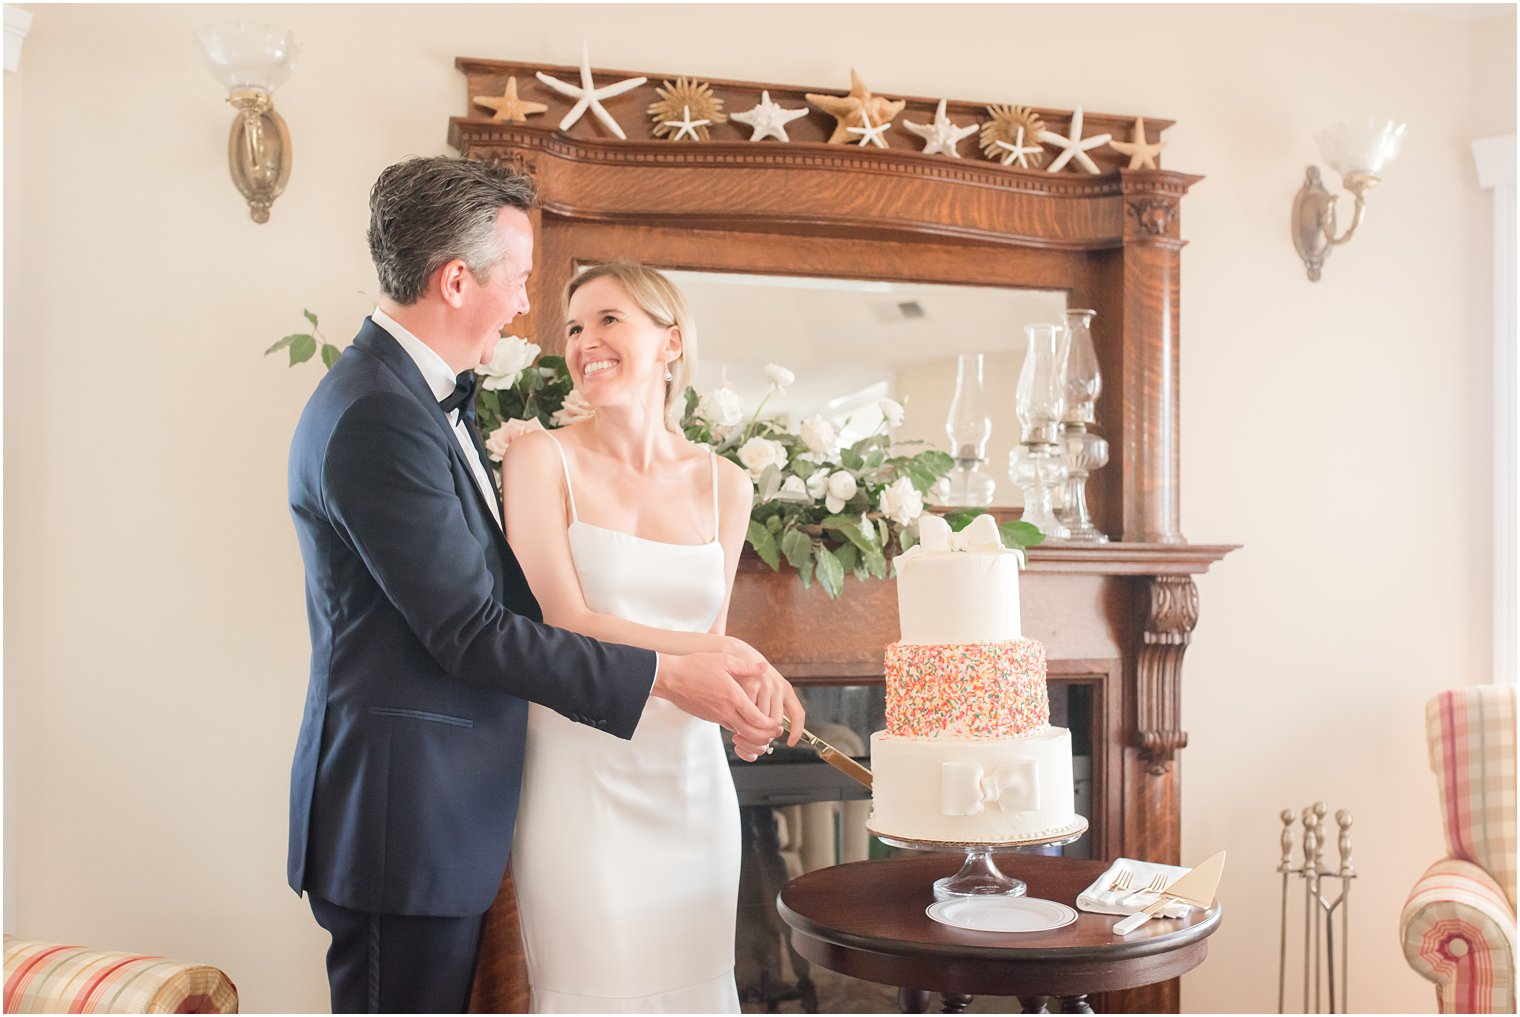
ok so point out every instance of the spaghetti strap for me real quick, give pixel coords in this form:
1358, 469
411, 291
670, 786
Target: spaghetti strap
569, 491
714, 456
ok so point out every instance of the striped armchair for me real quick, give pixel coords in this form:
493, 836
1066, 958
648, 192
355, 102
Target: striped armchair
52, 978
1458, 925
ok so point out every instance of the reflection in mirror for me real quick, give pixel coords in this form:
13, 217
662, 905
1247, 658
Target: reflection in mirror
852, 343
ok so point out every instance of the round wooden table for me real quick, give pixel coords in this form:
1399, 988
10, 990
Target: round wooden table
867, 920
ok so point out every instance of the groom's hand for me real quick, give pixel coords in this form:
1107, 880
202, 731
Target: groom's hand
708, 685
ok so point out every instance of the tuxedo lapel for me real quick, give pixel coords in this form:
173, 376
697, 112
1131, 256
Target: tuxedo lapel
380, 344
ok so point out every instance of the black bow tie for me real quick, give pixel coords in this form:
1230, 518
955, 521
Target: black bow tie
462, 396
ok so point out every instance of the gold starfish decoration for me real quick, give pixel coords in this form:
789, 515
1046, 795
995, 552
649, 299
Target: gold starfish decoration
508, 107
686, 108
1142, 155
853, 109
1010, 136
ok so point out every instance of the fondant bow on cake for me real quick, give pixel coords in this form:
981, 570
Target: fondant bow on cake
936, 537
966, 789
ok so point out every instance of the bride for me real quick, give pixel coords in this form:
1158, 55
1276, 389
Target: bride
626, 857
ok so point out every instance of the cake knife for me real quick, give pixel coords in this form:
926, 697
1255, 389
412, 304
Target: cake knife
838, 760
1196, 887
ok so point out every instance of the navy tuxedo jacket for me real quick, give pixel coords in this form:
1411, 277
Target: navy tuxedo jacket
426, 647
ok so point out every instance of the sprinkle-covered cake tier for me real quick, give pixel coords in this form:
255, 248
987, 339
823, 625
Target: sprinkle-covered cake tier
966, 690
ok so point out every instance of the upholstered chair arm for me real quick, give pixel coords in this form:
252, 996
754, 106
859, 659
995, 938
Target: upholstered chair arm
1459, 932
52, 978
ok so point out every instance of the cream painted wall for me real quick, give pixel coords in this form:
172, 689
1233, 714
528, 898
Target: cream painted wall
156, 645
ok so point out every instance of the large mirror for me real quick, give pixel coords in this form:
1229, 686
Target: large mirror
852, 343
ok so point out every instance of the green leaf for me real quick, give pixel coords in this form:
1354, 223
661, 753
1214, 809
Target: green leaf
875, 563
805, 570
770, 483
302, 349
1017, 533
848, 556
849, 526
330, 354
851, 459
922, 476
284, 343
830, 573
797, 546
764, 543
310, 317
938, 462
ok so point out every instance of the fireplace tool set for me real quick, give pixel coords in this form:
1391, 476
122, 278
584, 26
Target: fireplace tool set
1325, 978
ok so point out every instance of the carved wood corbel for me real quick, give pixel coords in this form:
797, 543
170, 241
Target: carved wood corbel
1171, 613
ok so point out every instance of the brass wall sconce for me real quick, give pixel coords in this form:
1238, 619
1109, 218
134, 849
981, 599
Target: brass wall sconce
1358, 152
252, 60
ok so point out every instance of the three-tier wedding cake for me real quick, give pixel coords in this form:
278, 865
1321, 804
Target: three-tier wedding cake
969, 754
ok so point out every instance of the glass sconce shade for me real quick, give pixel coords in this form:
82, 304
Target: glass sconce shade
1039, 400
1363, 147
1081, 379
247, 55
968, 425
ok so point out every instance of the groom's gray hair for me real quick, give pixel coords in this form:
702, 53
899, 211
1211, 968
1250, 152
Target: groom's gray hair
426, 212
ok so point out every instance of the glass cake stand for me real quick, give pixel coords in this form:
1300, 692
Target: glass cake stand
980, 876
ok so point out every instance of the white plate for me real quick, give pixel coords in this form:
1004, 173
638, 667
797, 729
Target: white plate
1002, 914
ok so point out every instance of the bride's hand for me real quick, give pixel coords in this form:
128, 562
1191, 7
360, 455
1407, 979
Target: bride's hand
772, 693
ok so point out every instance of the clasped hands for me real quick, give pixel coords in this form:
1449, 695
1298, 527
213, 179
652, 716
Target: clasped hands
736, 688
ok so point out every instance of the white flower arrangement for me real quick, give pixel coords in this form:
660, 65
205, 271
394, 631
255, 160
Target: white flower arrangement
827, 510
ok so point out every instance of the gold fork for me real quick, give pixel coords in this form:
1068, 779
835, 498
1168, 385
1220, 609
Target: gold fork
1156, 885
1121, 881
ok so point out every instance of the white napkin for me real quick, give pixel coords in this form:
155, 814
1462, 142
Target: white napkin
1104, 901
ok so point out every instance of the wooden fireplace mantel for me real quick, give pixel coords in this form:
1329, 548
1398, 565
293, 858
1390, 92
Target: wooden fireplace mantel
1116, 617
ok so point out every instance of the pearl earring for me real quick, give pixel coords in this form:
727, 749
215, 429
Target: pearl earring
668, 375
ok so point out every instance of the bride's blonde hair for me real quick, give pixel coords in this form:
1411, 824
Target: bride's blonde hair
658, 298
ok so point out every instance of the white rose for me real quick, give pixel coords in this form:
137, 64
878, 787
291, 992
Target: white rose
892, 410
794, 485
722, 406
512, 354
780, 377
574, 411
819, 436
758, 453
902, 502
841, 489
507, 433
818, 484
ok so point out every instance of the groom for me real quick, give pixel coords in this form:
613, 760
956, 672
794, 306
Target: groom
427, 644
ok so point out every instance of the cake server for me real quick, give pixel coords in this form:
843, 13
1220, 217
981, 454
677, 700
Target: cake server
1196, 887
838, 760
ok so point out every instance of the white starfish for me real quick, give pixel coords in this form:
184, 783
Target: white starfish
1017, 152
588, 96
870, 132
941, 135
1075, 146
686, 124
768, 119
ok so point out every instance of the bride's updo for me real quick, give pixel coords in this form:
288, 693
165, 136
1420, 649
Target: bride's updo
658, 298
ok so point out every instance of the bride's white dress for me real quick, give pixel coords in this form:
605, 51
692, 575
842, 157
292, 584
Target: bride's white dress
626, 857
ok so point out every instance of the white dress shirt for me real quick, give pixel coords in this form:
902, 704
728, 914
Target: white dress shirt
440, 379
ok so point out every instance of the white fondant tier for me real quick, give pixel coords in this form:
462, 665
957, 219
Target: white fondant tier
958, 597
972, 790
